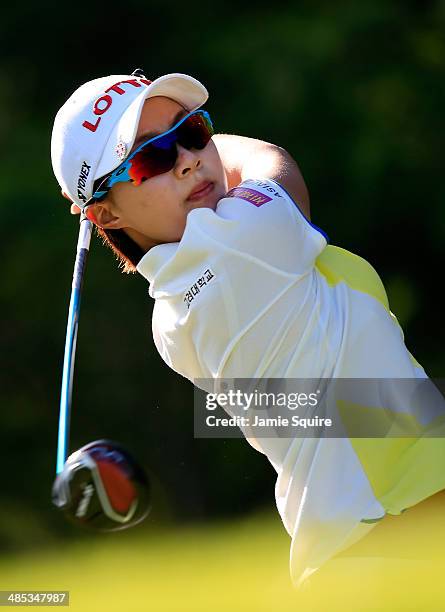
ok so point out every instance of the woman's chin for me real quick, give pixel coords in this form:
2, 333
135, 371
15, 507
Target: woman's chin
211, 201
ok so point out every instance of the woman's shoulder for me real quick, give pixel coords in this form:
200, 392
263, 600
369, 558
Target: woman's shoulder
250, 158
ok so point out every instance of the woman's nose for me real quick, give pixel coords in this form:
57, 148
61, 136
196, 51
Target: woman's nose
188, 161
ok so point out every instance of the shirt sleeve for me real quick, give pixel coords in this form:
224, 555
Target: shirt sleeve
223, 291
271, 226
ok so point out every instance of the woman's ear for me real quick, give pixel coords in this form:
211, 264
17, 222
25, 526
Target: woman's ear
101, 215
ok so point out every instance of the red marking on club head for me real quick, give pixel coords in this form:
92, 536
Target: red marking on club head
120, 490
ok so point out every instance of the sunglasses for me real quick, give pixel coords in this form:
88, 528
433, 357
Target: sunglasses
159, 154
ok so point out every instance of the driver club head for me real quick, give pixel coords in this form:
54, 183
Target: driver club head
102, 487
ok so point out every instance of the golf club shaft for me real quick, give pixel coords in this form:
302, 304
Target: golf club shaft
83, 246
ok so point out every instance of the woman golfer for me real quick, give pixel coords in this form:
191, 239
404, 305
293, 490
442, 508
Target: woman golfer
245, 286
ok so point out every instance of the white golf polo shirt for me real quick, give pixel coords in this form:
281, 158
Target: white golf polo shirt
253, 291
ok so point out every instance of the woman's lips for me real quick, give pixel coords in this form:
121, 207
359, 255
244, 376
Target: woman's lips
201, 191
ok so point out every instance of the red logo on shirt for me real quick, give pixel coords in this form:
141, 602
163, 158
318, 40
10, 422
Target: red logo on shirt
250, 195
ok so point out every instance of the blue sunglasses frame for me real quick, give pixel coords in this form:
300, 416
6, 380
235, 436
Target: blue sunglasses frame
163, 141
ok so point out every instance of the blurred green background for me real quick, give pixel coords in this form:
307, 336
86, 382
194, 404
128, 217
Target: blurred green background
354, 91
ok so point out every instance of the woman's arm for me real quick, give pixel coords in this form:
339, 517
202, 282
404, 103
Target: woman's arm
247, 158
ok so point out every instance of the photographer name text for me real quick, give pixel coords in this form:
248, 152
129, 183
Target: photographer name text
258, 421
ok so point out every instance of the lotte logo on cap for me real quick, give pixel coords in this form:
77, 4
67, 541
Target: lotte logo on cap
103, 103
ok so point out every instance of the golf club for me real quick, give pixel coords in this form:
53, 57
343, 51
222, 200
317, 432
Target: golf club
100, 486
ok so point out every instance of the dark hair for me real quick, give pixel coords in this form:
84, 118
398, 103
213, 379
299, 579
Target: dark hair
127, 252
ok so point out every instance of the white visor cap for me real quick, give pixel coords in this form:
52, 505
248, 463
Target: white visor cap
95, 129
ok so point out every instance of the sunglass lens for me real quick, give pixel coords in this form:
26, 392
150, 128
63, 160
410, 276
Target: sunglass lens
195, 132
159, 156
151, 161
